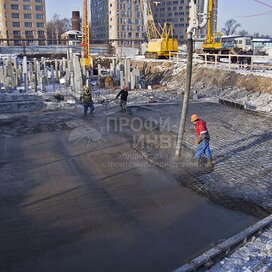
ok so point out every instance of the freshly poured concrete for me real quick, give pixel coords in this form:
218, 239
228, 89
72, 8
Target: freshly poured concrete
67, 206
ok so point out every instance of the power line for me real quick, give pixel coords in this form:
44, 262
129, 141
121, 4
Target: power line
256, 15
263, 3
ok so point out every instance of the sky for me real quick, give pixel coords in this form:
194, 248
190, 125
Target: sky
228, 9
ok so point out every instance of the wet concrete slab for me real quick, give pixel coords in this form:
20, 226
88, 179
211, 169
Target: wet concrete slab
241, 143
66, 205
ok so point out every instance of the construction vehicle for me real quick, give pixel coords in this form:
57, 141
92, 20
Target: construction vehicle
213, 41
161, 42
216, 43
85, 44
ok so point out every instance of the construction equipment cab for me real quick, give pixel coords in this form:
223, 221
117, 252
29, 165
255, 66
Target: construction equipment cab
163, 46
161, 42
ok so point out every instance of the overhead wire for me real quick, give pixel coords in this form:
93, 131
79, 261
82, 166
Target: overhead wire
256, 15
263, 3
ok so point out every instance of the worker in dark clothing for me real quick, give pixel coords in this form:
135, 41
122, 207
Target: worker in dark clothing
248, 59
123, 102
202, 140
86, 99
241, 59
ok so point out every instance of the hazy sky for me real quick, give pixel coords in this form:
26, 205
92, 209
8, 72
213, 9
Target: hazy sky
227, 9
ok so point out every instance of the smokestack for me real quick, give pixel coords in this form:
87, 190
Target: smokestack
76, 20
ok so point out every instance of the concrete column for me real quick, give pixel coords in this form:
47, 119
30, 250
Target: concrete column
122, 79
118, 72
132, 80
99, 70
56, 70
25, 72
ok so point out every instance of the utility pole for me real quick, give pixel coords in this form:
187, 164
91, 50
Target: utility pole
193, 25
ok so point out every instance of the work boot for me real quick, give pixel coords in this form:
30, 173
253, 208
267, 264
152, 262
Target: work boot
210, 164
198, 163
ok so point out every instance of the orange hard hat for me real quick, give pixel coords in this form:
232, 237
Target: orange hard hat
194, 117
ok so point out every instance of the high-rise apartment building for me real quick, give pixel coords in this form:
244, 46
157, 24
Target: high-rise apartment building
117, 21
177, 12
22, 22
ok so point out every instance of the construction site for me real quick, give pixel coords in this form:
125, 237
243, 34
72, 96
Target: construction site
99, 168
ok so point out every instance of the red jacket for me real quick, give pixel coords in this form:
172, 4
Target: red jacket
200, 126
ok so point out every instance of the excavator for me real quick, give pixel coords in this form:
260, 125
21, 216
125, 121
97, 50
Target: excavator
161, 42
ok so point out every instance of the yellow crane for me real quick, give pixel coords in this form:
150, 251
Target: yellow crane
161, 42
85, 44
213, 41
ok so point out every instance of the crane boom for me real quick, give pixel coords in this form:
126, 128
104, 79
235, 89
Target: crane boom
213, 40
149, 23
85, 45
210, 23
161, 42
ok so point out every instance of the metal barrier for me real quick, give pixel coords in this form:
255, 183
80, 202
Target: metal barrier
247, 62
226, 248
38, 50
46, 50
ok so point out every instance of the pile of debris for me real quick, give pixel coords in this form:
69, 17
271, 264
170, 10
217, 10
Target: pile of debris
252, 90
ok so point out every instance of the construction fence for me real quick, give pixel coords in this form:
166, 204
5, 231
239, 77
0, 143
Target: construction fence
245, 62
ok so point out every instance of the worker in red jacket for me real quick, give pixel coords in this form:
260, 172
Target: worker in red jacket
202, 140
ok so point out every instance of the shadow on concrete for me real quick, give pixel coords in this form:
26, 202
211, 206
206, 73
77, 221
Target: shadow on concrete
74, 215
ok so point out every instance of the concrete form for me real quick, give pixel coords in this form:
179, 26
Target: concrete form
214, 255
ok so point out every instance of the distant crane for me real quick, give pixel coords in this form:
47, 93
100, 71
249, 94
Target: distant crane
151, 29
215, 43
161, 42
85, 44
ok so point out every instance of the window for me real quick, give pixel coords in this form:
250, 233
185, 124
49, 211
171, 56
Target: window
29, 33
15, 15
26, 0
38, 1
28, 16
16, 33
17, 43
248, 42
16, 24
14, 7
40, 24
27, 7
41, 33
39, 16
39, 8
28, 24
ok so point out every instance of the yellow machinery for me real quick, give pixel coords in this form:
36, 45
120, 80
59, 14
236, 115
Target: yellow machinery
213, 41
85, 45
160, 42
